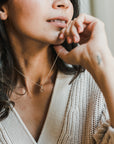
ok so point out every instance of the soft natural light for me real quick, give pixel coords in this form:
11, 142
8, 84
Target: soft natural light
104, 10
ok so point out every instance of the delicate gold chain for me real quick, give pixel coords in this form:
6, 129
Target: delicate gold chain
40, 85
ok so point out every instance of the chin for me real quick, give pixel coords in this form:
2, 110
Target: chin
52, 39
55, 40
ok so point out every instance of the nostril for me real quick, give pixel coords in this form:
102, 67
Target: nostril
60, 6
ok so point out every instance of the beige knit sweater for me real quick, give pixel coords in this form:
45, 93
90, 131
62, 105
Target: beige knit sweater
77, 115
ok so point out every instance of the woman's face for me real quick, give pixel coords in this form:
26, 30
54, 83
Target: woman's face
40, 20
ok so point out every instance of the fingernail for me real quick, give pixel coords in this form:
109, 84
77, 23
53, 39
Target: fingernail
69, 40
61, 36
75, 39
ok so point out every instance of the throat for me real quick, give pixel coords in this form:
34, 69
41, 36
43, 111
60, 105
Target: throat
34, 87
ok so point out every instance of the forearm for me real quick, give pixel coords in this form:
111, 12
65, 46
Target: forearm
104, 76
92, 53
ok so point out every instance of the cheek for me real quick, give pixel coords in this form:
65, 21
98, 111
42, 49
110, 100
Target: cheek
24, 14
23, 8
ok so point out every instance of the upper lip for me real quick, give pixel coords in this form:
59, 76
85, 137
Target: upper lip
59, 18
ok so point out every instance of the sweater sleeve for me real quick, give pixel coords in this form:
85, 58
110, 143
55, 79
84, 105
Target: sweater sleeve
104, 133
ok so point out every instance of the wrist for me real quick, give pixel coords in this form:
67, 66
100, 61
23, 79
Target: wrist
104, 63
103, 69
107, 65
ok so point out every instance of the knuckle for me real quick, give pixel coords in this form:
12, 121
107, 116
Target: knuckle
100, 22
83, 15
75, 20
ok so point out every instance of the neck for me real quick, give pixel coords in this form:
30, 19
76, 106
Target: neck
34, 61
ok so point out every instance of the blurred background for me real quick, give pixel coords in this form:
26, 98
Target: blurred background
103, 9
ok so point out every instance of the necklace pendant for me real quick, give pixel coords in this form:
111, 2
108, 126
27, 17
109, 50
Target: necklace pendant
41, 88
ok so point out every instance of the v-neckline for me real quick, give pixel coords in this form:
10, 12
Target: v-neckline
55, 115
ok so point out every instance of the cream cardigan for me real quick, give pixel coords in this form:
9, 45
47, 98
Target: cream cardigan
77, 115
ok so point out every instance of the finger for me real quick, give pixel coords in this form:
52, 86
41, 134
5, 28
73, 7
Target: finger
69, 34
67, 31
63, 31
69, 39
62, 52
83, 19
67, 57
73, 57
75, 34
62, 35
87, 19
79, 26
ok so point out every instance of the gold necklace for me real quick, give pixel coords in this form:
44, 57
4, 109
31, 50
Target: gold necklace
40, 85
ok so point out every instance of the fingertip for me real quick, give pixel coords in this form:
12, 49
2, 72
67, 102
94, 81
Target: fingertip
80, 29
69, 40
79, 26
74, 39
61, 36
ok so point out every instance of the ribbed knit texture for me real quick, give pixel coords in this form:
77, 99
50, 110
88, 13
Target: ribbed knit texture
84, 111
77, 115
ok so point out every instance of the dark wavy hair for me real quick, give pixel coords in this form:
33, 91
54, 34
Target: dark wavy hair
7, 62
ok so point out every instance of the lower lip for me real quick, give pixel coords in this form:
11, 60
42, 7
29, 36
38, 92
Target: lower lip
58, 24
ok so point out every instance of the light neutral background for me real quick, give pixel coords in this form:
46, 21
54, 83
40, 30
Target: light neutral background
104, 10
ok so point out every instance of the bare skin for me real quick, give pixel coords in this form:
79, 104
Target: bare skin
30, 36
93, 53
33, 109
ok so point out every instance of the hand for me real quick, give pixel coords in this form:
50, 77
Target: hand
92, 53
93, 50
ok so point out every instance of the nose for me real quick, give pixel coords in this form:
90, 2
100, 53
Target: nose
60, 4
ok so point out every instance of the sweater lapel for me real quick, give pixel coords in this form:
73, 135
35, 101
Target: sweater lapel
54, 121
19, 134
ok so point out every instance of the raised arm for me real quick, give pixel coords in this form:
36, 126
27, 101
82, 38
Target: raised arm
93, 53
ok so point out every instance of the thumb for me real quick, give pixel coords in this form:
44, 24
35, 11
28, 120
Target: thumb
61, 52
73, 57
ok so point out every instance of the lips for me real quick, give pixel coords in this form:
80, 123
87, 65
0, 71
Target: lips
58, 21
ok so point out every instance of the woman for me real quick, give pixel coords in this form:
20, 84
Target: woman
54, 102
